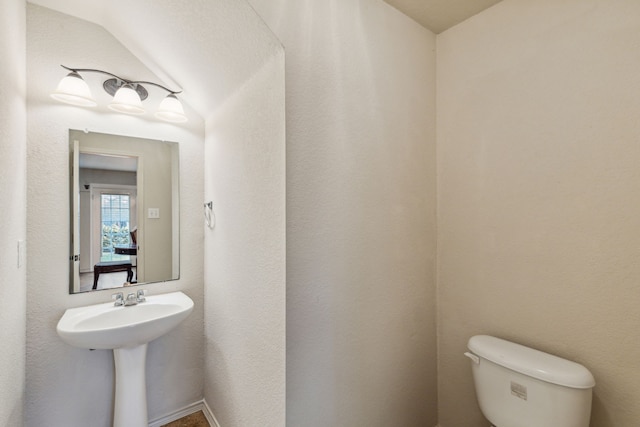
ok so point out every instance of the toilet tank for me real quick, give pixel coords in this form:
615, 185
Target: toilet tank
518, 386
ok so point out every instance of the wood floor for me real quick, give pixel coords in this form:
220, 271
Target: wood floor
105, 281
194, 420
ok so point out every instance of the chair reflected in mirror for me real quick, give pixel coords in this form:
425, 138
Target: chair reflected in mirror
112, 267
119, 266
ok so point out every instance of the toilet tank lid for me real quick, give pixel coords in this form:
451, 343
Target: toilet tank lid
531, 362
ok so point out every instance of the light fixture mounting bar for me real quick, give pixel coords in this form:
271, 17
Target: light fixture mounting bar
134, 83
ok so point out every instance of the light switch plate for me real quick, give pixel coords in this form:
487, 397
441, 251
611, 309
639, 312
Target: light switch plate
153, 213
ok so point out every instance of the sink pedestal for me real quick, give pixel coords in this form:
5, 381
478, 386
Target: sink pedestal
123, 329
130, 408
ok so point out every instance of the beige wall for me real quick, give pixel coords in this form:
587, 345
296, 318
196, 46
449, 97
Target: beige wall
67, 386
13, 205
361, 348
539, 194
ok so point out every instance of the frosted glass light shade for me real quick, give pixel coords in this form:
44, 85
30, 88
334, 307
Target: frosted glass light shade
126, 100
170, 110
73, 90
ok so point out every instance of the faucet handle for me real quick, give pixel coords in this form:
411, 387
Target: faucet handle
119, 298
141, 294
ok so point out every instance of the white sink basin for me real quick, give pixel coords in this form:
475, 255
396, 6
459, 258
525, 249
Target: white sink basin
103, 326
126, 330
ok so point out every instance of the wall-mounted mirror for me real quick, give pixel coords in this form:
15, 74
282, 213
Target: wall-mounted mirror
124, 211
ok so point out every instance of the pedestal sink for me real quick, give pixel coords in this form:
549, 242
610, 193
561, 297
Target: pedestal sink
127, 331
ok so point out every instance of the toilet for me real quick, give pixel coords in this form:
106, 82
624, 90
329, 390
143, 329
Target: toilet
518, 386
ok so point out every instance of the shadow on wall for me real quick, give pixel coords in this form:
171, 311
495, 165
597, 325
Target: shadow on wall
597, 406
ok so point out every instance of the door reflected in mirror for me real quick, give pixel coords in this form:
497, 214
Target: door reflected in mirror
124, 211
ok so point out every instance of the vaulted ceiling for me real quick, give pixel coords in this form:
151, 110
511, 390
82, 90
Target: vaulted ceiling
209, 48
439, 15
206, 48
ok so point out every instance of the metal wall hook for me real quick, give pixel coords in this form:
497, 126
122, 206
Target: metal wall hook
209, 215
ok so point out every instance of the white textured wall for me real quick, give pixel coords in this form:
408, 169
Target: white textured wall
360, 82
539, 194
245, 254
13, 204
68, 386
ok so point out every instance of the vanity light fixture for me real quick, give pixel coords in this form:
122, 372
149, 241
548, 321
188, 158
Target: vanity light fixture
127, 95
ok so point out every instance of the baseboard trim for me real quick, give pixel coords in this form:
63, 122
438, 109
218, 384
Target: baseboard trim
180, 413
208, 414
200, 405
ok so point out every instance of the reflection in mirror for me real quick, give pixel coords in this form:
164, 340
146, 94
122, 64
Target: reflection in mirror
124, 211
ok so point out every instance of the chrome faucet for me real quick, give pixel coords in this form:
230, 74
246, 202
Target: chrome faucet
119, 298
131, 300
140, 297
